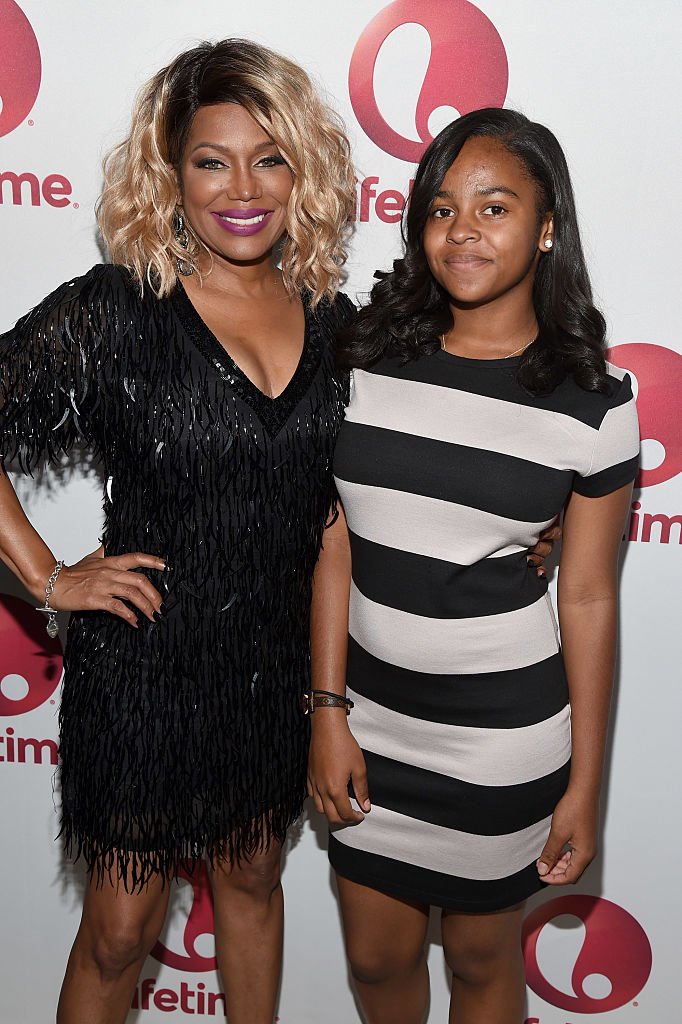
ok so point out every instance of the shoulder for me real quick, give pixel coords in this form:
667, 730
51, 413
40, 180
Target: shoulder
335, 314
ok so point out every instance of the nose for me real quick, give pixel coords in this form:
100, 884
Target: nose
462, 228
244, 184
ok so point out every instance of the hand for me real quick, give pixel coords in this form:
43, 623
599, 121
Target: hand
335, 759
572, 841
97, 583
544, 547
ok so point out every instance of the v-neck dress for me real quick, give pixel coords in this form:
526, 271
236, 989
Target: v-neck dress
184, 737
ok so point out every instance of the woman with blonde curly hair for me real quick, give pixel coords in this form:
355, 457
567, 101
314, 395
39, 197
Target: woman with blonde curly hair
198, 365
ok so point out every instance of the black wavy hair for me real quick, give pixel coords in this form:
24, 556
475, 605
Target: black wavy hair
408, 310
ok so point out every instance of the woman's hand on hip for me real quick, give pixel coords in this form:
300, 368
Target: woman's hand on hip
335, 760
99, 583
572, 841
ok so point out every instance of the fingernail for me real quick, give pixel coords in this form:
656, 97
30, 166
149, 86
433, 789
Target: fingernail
542, 868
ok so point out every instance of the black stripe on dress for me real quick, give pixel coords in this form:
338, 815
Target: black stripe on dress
439, 589
432, 887
494, 700
441, 800
607, 480
499, 484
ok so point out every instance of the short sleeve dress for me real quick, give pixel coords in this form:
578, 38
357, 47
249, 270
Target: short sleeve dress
184, 737
448, 471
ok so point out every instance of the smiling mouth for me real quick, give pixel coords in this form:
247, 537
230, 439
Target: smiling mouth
257, 218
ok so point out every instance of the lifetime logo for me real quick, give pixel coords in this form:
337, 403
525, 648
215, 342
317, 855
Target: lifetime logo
20, 67
611, 960
462, 66
198, 931
657, 380
31, 663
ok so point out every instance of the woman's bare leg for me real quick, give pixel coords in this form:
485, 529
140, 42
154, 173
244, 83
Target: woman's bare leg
116, 933
249, 925
385, 939
483, 952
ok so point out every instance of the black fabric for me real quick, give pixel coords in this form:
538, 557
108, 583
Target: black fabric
490, 481
432, 888
495, 700
452, 803
185, 737
397, 578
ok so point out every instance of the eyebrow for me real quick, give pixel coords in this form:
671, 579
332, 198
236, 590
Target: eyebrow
489, 190
269, 144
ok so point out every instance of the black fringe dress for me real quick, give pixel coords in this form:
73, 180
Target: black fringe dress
184, 738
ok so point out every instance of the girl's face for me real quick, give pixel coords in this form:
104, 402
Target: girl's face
482, 239
235, 185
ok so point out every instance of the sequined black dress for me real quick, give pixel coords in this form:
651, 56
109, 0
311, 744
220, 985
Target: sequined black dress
186, 736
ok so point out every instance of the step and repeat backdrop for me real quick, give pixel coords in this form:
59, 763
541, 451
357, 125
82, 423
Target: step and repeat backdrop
606, 78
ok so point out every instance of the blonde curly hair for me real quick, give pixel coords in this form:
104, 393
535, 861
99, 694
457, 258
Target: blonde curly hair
136, 210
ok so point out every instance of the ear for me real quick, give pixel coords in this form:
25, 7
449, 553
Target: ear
546, 239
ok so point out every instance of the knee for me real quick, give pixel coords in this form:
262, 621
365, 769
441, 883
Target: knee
375, 966
479, 963
256, 879
115, 948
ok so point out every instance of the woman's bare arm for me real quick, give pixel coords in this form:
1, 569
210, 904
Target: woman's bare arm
335, 757
588, 606
93, 583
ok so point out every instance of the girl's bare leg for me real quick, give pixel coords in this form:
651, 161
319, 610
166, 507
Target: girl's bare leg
483, 952
385, 939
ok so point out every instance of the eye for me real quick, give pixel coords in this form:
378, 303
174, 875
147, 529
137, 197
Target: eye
211, 163
275, 160
441, 212
495, 210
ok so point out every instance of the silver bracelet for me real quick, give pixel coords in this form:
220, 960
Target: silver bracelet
52, 627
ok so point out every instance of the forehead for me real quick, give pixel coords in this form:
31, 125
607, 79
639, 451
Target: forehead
485, 162
225, 124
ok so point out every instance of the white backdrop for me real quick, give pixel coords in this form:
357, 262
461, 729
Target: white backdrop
606, 78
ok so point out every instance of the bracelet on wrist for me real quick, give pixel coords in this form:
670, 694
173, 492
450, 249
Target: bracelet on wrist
52, 627
315, 699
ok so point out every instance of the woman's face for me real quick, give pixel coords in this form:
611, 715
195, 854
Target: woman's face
235, 185
482, 239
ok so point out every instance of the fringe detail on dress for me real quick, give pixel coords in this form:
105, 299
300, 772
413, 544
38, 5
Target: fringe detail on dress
185, 738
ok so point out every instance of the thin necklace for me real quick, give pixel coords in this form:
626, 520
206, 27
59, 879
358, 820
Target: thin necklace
516, 352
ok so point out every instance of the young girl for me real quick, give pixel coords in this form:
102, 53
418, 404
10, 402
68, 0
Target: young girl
482, 406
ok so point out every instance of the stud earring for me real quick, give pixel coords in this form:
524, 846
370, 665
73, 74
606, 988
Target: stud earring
183, 266
548, 243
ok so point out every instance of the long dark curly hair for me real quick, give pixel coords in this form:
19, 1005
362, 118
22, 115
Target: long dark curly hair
408, 310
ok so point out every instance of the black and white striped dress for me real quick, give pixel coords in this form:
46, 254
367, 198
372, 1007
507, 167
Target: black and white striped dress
448, 471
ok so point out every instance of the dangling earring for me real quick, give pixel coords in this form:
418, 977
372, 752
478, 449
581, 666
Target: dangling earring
548, 243
183, 266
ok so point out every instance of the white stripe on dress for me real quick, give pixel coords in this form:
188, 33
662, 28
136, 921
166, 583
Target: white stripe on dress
482, 757
391, 834
431, 526
485, 643
476, 421
618, 438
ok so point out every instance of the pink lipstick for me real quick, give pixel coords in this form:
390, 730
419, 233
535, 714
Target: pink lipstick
241, 221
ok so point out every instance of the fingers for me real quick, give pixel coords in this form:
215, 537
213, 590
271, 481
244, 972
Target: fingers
552, 852
552, 533
539, 553
568, 869
360, 788
119, 608
138, 591
137, 559
333, 801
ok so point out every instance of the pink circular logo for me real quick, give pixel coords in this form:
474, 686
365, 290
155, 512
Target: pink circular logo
199, 923
20, 67
30, 662
658, 378
467, 68
613, 961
